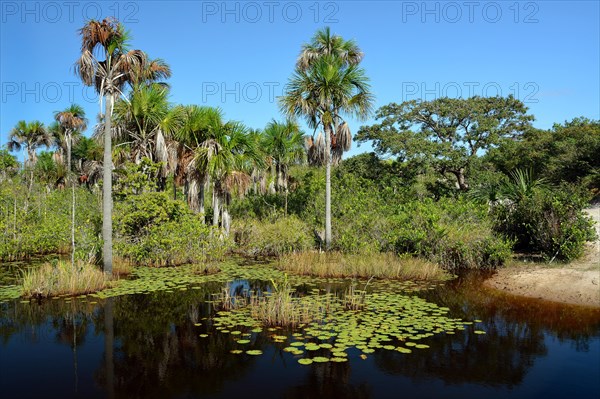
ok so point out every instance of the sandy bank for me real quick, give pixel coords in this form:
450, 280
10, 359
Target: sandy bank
576, 283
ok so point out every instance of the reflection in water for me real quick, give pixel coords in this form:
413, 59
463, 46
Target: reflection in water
517, 331
149, 346
328, 380
109, 332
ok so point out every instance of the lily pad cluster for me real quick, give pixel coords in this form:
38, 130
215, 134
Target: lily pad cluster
389, 321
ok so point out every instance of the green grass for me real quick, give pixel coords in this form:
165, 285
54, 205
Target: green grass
378, 265
62, 278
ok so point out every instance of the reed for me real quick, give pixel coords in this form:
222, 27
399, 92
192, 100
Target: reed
63, 278
378, 265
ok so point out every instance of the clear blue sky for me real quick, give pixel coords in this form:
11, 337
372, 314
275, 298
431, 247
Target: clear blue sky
239, 55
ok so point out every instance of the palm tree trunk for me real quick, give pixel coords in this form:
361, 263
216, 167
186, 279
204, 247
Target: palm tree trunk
73, 227
215, 208
107, 189
69, 146
327, 187
201, 199
226, 220
193, 195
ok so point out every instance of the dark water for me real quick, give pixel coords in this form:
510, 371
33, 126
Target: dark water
147, 346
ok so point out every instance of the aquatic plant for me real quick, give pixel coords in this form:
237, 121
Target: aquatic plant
380, 320
380, 265
63, 278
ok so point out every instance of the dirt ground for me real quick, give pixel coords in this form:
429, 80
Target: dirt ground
577, 283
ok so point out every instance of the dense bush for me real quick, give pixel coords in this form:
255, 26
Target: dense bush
282, 236
455, 233
38, 221
452, 233
153, 229
549, 222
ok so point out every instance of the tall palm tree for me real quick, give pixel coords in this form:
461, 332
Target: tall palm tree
327, 84
283, 143
107, 39
72, 122
31, 136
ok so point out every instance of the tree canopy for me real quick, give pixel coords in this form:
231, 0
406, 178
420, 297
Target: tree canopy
447, 133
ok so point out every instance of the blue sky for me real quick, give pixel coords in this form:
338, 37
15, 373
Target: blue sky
239, 55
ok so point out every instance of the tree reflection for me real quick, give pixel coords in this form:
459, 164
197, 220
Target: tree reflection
158, 351
515, 328
328, 380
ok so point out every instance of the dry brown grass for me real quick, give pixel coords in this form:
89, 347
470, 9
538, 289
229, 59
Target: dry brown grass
62, 278
378, 265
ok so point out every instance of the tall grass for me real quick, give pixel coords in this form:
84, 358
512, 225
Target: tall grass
62, 278
282, 308
378, 265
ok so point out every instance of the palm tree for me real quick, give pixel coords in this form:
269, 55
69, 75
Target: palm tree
107, 39
327, 84
227, 158
71, 122
87, 157
146, 123
200, 124
31, 135
283, 143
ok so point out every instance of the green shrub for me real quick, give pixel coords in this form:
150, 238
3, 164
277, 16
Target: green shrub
40, 223
549, 222
153, 229
452, 233
368, 219
284, 235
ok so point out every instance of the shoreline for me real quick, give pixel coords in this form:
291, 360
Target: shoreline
567, 284
576, 283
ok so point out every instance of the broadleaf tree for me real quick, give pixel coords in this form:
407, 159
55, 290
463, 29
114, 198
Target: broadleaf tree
446, 133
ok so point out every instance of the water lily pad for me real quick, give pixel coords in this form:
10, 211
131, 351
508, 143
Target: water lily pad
305, 361
254, 352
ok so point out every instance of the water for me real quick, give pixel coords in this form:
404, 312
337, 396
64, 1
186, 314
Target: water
148, 346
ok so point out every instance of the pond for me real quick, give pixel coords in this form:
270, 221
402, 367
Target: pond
161, 335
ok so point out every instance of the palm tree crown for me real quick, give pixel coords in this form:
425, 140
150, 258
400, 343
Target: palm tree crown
31, 136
